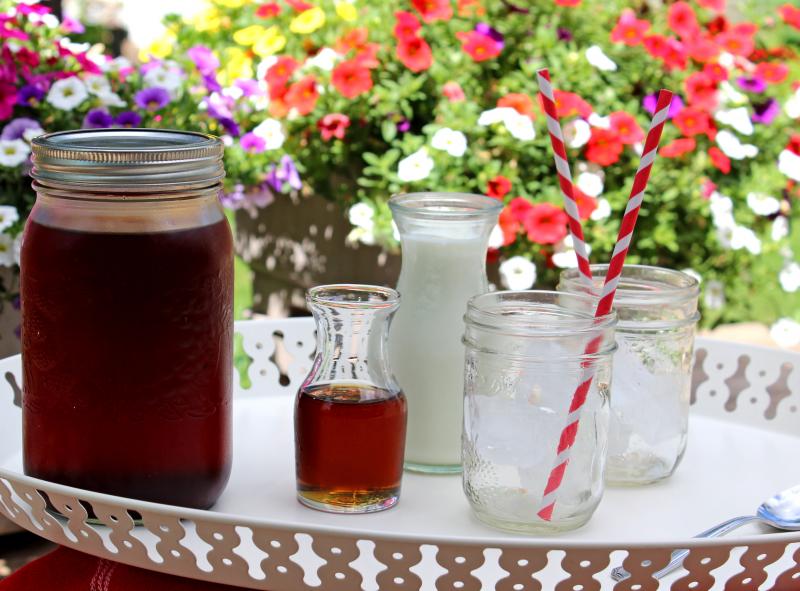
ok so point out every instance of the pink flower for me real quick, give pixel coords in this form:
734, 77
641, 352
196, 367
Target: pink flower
453, 92
333, 125
629, 30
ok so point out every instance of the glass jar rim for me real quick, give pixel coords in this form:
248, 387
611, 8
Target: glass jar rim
353, 296
638, 285
440, 205
538, 313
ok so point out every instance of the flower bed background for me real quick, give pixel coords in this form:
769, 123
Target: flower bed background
354, 101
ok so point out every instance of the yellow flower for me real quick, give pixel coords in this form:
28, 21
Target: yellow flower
346, 11
249, 35
308, 21
207, 20
270, 43
233, 3
160, 48
237, 64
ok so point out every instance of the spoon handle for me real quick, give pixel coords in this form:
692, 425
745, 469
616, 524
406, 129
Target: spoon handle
620, 574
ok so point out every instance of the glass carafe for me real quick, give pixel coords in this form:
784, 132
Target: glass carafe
444, 239
350, 415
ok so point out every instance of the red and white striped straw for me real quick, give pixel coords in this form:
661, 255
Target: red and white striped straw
564, 175
569, 433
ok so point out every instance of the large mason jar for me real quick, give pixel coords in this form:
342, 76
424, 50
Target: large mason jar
657, 311
126, 289
534, 451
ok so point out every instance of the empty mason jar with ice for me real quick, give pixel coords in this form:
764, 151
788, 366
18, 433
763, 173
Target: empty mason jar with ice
526, 356
657, 311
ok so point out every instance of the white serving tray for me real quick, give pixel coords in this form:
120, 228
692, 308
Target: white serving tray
744, 445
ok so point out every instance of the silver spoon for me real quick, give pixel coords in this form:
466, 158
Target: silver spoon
781, 511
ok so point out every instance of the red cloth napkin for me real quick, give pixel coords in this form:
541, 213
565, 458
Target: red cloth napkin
68, 570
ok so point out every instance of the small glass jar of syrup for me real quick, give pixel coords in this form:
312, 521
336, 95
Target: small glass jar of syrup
127, 328
350, 415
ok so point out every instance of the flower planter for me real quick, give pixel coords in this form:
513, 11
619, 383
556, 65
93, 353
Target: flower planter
296, 242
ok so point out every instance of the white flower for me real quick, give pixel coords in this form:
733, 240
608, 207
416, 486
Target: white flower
415, 167
325, 59
600, 122
722, 212
566, 258
590, 183
496, 238
233, 92
111, 99
361, 216
6, 250
49, 20
576, 133
733, 148
496, 115
13, 152
600, 60
67, 43
694, 274
785, 332
602, 211
729, 95
790, 277
737, 118
725, 233
789, 164
271, 131
166, 76
8, 215
517, 273
67, 93
115, 65
743, 237
31, 133
97, 85
361, 235
780, 228
264, 65
714, 295
726, 60
451, 141
520, 126
638, 147
792, 106
762, 204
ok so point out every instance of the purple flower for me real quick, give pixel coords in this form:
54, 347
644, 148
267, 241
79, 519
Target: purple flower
285, 172
29, 93
564, 34
152, 99
766, 112
651, 101
403, 125
71, 25
220, 108
210, 81
261, 196
151, 65
252, 143
754, 84
204, 59
249, 87
128, 119
98, 118
16, 128
233, 199
485, 29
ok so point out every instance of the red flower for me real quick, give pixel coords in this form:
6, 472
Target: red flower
702, 49
453, 92
604, 147
655, 45
569, 104
675, 55
717, 25
268, 10
701, 90
745, 29
353, 39
407, 25
772, 72
518, 101
682, 20
735, 43
716, 72
586, 203
790, 15
415, 54
794, 144
720, 160
691, 121
333, 125
568, 2
677, 148
351, 78
626, 128
629, 30
299, 5
368, 56
303, 95
715, 5
433, 10
509, 225
498, 187
279, 73
545, 224
480, 47
520, 208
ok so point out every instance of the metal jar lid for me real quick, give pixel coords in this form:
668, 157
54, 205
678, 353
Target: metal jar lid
127, 160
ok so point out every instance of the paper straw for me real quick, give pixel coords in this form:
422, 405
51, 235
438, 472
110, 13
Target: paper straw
568, 434
564, 175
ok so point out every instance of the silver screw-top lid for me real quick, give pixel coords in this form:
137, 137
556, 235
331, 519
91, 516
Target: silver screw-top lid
127, 160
